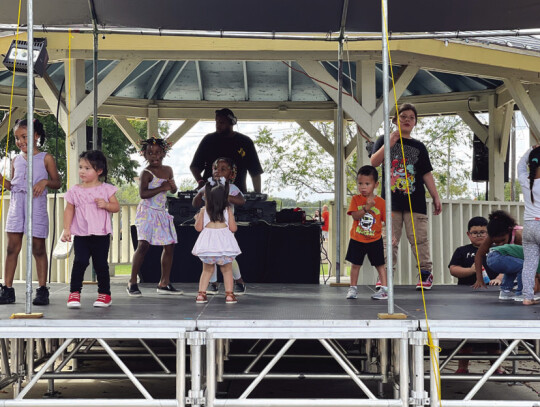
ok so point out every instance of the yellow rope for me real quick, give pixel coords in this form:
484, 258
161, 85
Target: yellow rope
10, 109
433, 350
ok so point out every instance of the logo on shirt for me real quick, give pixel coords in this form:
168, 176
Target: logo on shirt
241, 152
365, 224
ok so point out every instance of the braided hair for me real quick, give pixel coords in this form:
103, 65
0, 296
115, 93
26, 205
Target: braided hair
500, 223
165, 145
534, 164
38, 128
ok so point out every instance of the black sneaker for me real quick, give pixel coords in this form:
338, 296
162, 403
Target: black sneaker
212, 289
7, 295
239, 288
42, 296
133, 290
168, 290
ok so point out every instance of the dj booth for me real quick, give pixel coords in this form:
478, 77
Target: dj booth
271, 252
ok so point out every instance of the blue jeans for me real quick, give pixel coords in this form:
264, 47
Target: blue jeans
511, 267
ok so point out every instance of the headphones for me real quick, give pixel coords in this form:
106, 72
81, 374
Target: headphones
228, 114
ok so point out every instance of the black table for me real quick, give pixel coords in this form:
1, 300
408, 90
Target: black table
279, 253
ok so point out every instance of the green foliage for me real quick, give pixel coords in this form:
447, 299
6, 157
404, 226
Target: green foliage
508, 191
128, 193
449, 142
186, 184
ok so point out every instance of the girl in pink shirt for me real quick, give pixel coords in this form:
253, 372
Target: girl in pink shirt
87, 218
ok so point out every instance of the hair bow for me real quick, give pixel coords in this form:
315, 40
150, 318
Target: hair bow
213, 182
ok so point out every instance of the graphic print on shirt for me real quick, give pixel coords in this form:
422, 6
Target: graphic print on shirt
365, 225
398, 179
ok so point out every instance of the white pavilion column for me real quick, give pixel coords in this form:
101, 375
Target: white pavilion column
365, 91
152, 121
498, 136
76, 141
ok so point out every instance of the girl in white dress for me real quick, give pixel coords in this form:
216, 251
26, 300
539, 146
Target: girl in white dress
216, 243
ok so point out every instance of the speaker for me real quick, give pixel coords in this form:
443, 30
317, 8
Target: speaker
480, 162
182, 210
256, 211
90, 138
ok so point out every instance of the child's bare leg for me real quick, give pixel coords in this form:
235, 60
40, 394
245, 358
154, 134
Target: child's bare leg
226, 270
355, 271
207, 270
236, 272
166, 264
138, 258
382, 275
13, 249
40, 254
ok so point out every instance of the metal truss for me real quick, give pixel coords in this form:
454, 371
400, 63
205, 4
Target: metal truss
393, 353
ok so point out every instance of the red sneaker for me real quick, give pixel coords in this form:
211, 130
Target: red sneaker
378, 284
425, 281
74, 300
103, 301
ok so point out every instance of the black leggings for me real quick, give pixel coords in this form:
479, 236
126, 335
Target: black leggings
96, 247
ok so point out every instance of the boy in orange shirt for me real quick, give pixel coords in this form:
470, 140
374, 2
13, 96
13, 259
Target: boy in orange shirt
369, 214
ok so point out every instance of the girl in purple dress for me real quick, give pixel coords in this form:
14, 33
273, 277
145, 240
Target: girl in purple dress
154, 223
45, 176
216, 243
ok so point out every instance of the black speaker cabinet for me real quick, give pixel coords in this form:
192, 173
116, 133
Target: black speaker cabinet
480, 162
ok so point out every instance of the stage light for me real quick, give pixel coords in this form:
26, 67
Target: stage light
16, 59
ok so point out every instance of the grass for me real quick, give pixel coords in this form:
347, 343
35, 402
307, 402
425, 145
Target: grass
122, 270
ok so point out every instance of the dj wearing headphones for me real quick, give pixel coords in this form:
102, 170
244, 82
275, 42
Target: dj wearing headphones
226, 142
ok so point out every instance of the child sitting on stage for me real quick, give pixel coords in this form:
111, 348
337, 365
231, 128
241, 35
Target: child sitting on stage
216, 244
462, 263
369, 213
154, 224
87, 218
503, 234
225, 167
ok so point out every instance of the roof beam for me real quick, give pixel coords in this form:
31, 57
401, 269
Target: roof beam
478, 128
350, 106
199, 80
170, 79
105, 89
50, 94
404, 77
129, 131
6, 125
317, 136
525, 104
181, 130
506, 127
152, 85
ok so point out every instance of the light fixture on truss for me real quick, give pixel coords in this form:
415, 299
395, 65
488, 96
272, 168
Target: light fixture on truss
16, 59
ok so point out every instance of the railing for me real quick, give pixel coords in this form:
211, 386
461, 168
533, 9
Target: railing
446, 232
121, 251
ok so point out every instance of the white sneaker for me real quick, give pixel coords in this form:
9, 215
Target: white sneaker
352, 294
382, 294
506, 295
519, 298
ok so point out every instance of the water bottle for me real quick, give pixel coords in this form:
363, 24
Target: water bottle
486, 277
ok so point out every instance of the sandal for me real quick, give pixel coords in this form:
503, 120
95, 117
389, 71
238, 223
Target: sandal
230, 298
201, 298
530, 302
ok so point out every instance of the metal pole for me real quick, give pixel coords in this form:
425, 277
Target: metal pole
513, 158
29, 154
95, 118
210, 371
433, 379
339, 162
404, 371
387, 166
181, 372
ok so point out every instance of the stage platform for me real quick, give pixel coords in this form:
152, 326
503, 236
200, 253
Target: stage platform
268, 320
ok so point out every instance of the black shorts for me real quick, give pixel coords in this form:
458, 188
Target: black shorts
358, 250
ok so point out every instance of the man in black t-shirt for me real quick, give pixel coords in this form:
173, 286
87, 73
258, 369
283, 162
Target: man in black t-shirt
225, 142
462, 263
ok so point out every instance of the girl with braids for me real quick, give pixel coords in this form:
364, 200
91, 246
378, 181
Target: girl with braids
530, 185
504, 254
154, 224
45, 176
216, 244
87, 218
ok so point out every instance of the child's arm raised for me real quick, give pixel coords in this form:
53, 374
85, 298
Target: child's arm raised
232, 222
68, 218
199, 219
197, 199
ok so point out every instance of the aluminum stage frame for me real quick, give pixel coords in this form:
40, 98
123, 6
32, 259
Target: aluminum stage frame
272, 320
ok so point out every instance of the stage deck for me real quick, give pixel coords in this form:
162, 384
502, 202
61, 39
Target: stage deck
272, 302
